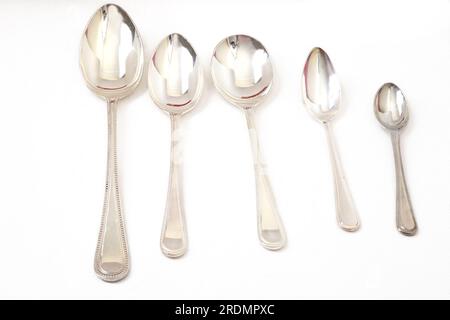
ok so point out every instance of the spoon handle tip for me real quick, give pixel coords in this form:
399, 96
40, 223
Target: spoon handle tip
270, 228
352, 227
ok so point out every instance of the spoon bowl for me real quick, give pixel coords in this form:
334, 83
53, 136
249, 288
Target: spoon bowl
320, 85
390, 107
175, 77
241, 70
111, 53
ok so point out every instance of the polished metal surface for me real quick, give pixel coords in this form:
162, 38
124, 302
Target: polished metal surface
175, 77
175, 82
321, 88
392, 112
321, 95
390, 107
242, 73
111, 54
111, 60
241, 70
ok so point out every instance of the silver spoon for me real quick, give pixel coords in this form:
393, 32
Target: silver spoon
391, 111
111, 59
242, 73
321, 94
175, 82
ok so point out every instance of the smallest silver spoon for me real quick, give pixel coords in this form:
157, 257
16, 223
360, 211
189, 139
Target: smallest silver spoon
391, 111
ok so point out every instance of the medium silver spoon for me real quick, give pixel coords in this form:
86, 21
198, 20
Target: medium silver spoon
321, 94
242, 73
392, 112
111, 59
175, 82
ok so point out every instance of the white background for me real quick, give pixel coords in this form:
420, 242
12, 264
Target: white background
53, 156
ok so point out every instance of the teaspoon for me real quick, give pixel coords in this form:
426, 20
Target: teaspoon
111, 60
321, 94
175, 82
392, 112
242, 73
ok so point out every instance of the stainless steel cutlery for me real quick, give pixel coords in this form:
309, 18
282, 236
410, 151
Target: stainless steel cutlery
242, 73
175, 82
112, 60
322, 94
392, 112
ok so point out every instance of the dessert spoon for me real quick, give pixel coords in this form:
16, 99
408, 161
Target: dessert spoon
111, 60
175, 82
242, 73
392, 112
321, 94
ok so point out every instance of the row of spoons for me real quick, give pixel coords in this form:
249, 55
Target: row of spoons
112, 60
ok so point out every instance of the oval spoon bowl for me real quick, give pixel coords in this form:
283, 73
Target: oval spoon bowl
241, 70
111, 53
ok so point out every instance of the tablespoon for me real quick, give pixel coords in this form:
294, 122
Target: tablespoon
392, 112
242, 73
321, 94
111, 59
175, 82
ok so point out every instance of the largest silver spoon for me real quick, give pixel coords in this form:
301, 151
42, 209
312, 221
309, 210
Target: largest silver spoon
111, 59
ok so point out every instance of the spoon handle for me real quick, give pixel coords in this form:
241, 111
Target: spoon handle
173, 235
270, 228
346, 213
406, 223
111, 257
